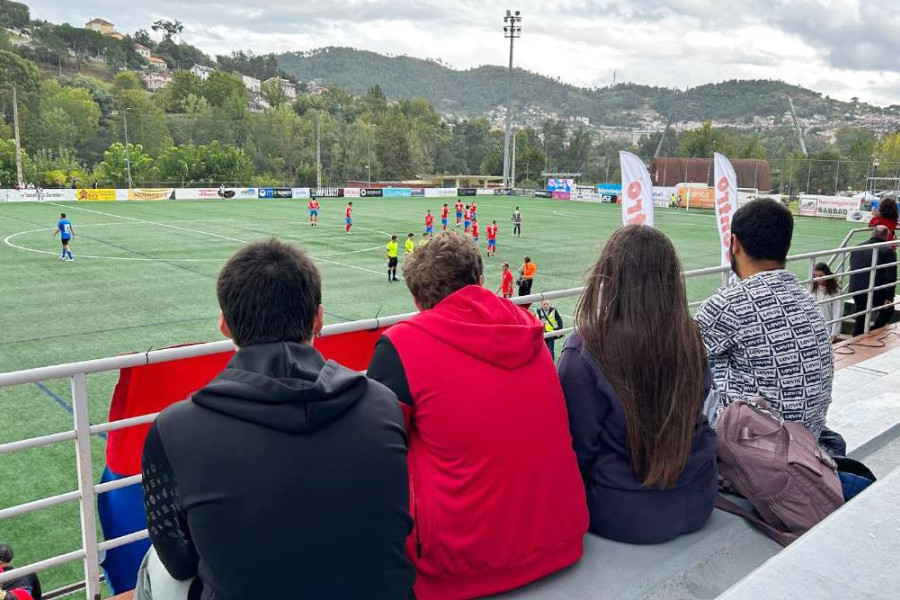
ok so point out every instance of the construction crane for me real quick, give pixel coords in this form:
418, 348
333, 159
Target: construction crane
797, 128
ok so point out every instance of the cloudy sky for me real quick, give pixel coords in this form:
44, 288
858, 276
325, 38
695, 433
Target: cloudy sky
843, 48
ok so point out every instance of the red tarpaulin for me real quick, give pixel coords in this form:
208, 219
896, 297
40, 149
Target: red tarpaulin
151, 388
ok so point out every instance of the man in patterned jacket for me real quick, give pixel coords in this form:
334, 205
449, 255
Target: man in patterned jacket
763, 334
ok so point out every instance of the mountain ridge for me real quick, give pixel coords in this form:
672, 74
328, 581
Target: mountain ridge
479, 90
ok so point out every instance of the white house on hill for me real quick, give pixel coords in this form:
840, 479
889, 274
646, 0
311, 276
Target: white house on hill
157, 80
158, 63
290, 90
202, 71
142, 50
251, 83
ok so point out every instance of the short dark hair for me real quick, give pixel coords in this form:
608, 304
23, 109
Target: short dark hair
6, 553
63, 215
269, 291
765, 228
445, 265
393, 237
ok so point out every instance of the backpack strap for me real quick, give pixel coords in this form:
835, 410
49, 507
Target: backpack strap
784, 539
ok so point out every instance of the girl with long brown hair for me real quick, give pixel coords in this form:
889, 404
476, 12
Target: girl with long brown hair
635, 378
825, 293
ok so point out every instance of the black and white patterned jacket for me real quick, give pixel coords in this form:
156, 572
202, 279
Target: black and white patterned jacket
765, 337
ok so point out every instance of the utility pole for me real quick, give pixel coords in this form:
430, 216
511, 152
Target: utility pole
512, 165
511, 30
20, 179
318, 153
127, 149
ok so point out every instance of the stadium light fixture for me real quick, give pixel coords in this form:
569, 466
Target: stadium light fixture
512, 30
127, 152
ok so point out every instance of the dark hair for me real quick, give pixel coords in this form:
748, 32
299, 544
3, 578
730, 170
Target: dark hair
527, 259
393, 237
888, 209
831, 285
634, 318
6, 553
62, 215
764, 228
269, 291
446, 264
411, 234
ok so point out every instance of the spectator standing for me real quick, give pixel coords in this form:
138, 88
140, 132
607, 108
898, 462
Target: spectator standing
764, 335
516, 221
825, 293
29, 583
859, 282
495, 506
286, 475
635, 377
526, 276
393, 252
552, 321
886, 215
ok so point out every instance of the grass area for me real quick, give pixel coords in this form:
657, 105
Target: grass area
144, 277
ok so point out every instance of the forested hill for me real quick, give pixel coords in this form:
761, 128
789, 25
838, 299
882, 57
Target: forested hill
477, 91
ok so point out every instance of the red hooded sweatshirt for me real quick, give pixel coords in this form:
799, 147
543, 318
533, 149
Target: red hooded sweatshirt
495, 489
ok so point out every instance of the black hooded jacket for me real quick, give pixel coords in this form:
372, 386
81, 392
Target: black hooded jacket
285, 477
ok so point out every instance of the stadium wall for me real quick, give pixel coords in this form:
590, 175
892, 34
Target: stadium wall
155, 194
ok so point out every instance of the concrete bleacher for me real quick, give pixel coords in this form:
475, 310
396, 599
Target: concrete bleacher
852, 554
704, 565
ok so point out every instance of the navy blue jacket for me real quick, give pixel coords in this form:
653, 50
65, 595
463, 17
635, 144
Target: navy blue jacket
620, 507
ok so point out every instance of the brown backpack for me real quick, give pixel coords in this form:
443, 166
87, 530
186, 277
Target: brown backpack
778, 466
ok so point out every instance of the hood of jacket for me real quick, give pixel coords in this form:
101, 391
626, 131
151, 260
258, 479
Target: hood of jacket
283, 386
487, 328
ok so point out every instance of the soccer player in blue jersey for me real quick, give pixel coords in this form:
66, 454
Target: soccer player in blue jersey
66, 233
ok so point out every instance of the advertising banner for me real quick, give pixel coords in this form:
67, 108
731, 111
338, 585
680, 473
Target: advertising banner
282, 193
637, 199
210, 193
466, 192
832, 207
397, 192
98, 195
859, 216
351, 193
662, 196
301, 192
370, 193
151, 194
328, 192
726, 203
484, 192
265, 192
441, 192
34, 195
418, 192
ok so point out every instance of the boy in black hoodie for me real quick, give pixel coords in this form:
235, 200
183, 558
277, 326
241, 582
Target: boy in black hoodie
286, 476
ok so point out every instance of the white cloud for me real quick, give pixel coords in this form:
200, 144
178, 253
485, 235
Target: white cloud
839, 47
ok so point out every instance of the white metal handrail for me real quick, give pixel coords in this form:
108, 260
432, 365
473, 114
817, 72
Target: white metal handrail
77, 373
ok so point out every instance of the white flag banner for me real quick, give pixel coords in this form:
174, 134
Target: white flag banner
726, 203
637, 191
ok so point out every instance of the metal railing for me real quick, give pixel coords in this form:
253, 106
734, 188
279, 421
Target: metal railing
87, 491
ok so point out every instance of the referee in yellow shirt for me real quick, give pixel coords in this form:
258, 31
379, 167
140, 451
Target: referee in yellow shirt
393, 248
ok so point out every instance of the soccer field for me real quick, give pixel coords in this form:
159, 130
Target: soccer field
144, 277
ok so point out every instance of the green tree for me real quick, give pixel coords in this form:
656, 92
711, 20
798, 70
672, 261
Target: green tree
698, 143
8, 164
82, 42
57, 169
126, 80
393, 149
224, 90
184, 84
169, 28
273, 94
146, 121
14, 15
213, 163
69, 117
113, 169
19, 73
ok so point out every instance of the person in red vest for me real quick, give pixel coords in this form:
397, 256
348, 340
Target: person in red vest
459, 212
445, 216
506, 281
492, 238
348, 217
474, 230
495, 505
429, 222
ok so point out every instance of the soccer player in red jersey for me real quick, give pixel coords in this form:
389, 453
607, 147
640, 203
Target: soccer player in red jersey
445, 216
475, 230
429, 222
349, 217
474, 208
314, 212
467, 219
492, 238
506, 281
459, 212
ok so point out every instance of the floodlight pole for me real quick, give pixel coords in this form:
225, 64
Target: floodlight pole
20, 179
511, 30
127, 149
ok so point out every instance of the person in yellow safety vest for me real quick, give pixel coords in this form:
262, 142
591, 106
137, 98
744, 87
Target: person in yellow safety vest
552, 321
425, 239
410, 244
393, 249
